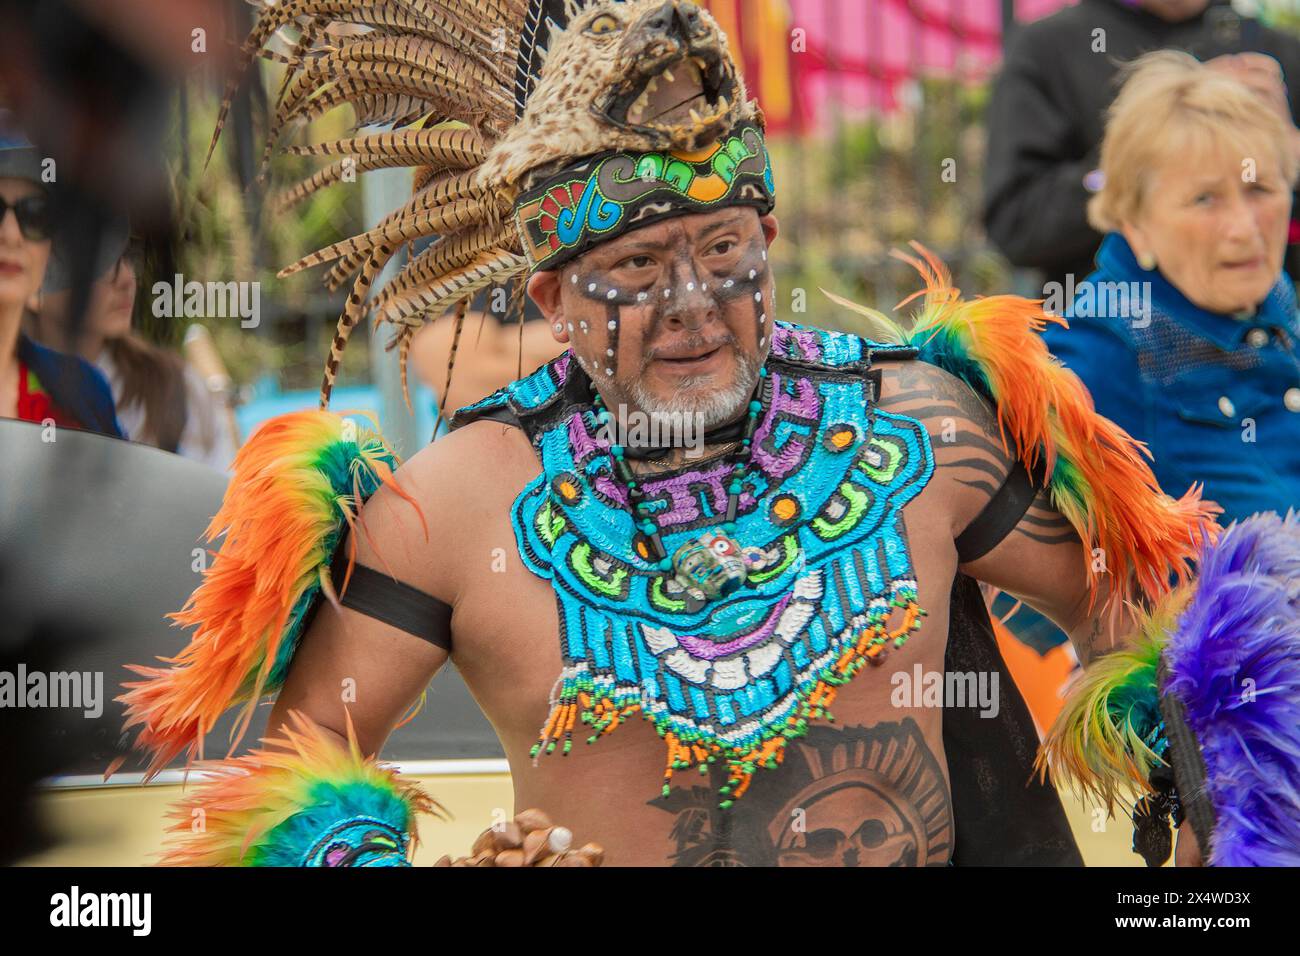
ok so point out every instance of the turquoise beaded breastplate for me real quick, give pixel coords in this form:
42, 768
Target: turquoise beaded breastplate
733, 678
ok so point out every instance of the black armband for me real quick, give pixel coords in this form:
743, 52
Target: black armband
1000, 516
386, 599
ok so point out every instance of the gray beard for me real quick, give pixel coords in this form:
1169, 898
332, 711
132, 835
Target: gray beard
715, 407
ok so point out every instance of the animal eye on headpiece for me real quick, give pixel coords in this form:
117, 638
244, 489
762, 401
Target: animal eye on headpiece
604, 24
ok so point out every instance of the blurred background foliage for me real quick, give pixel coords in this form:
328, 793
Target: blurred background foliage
845, 201
231, 230
1283, 14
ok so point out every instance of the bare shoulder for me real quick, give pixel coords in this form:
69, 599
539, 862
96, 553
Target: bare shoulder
971, 460
926, 392
481, 451
444, 494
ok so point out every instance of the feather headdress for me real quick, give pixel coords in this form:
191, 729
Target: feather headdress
456, 80
478, 94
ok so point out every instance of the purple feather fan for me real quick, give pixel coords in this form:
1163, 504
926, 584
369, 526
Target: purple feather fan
1234, 660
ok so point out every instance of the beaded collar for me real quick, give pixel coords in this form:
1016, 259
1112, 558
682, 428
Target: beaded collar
731, 678
715, 564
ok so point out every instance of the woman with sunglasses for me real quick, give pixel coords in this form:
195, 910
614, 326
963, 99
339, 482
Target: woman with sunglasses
37, 384
161, 399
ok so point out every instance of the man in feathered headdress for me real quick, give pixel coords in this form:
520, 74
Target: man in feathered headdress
701, 527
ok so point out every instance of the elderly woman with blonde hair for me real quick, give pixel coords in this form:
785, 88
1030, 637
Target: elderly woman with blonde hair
1187, 334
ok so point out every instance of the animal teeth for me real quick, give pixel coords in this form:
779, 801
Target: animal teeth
660, 640
763, 659
694, 670
729, 674
668, 75
652, 85
696, 118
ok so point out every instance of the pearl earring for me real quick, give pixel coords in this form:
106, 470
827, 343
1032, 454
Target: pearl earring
1147, 261
559, 327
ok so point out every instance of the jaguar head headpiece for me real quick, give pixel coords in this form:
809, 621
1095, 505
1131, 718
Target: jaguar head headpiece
638, 75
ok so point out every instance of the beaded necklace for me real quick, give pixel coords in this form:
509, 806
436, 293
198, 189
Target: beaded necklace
732, 679
714, 564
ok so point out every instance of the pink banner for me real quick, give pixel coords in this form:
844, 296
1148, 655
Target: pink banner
804, 56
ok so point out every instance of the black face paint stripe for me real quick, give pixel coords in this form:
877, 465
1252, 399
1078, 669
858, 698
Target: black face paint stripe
612, 314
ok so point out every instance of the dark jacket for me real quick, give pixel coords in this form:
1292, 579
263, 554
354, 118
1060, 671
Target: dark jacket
1047, 117
1216, 399
74, 385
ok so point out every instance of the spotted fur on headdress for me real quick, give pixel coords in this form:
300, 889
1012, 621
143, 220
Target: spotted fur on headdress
456, 82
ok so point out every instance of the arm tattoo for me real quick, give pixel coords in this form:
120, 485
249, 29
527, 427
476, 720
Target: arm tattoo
963, 427
851, 796
1044, 524
966, 438
1095, 634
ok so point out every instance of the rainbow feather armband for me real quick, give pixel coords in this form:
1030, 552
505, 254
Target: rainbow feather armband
298, 484
1218, 660
1097, 474
302, 800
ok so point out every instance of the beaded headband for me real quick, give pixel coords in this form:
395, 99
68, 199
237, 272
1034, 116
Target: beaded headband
605, 196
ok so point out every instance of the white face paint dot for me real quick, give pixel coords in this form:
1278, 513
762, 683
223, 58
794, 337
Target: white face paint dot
612, 294
583, 325
609, 371
690, 287
704, 287
762, 318
764, 255
609, 352
574, 278
668, 293
592, 287
570, 326
758, 297
613, 324
762, 340
641, 296
753, 274
729, 283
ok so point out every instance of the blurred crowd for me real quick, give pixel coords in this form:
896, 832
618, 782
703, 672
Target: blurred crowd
1143, 156
97, 373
